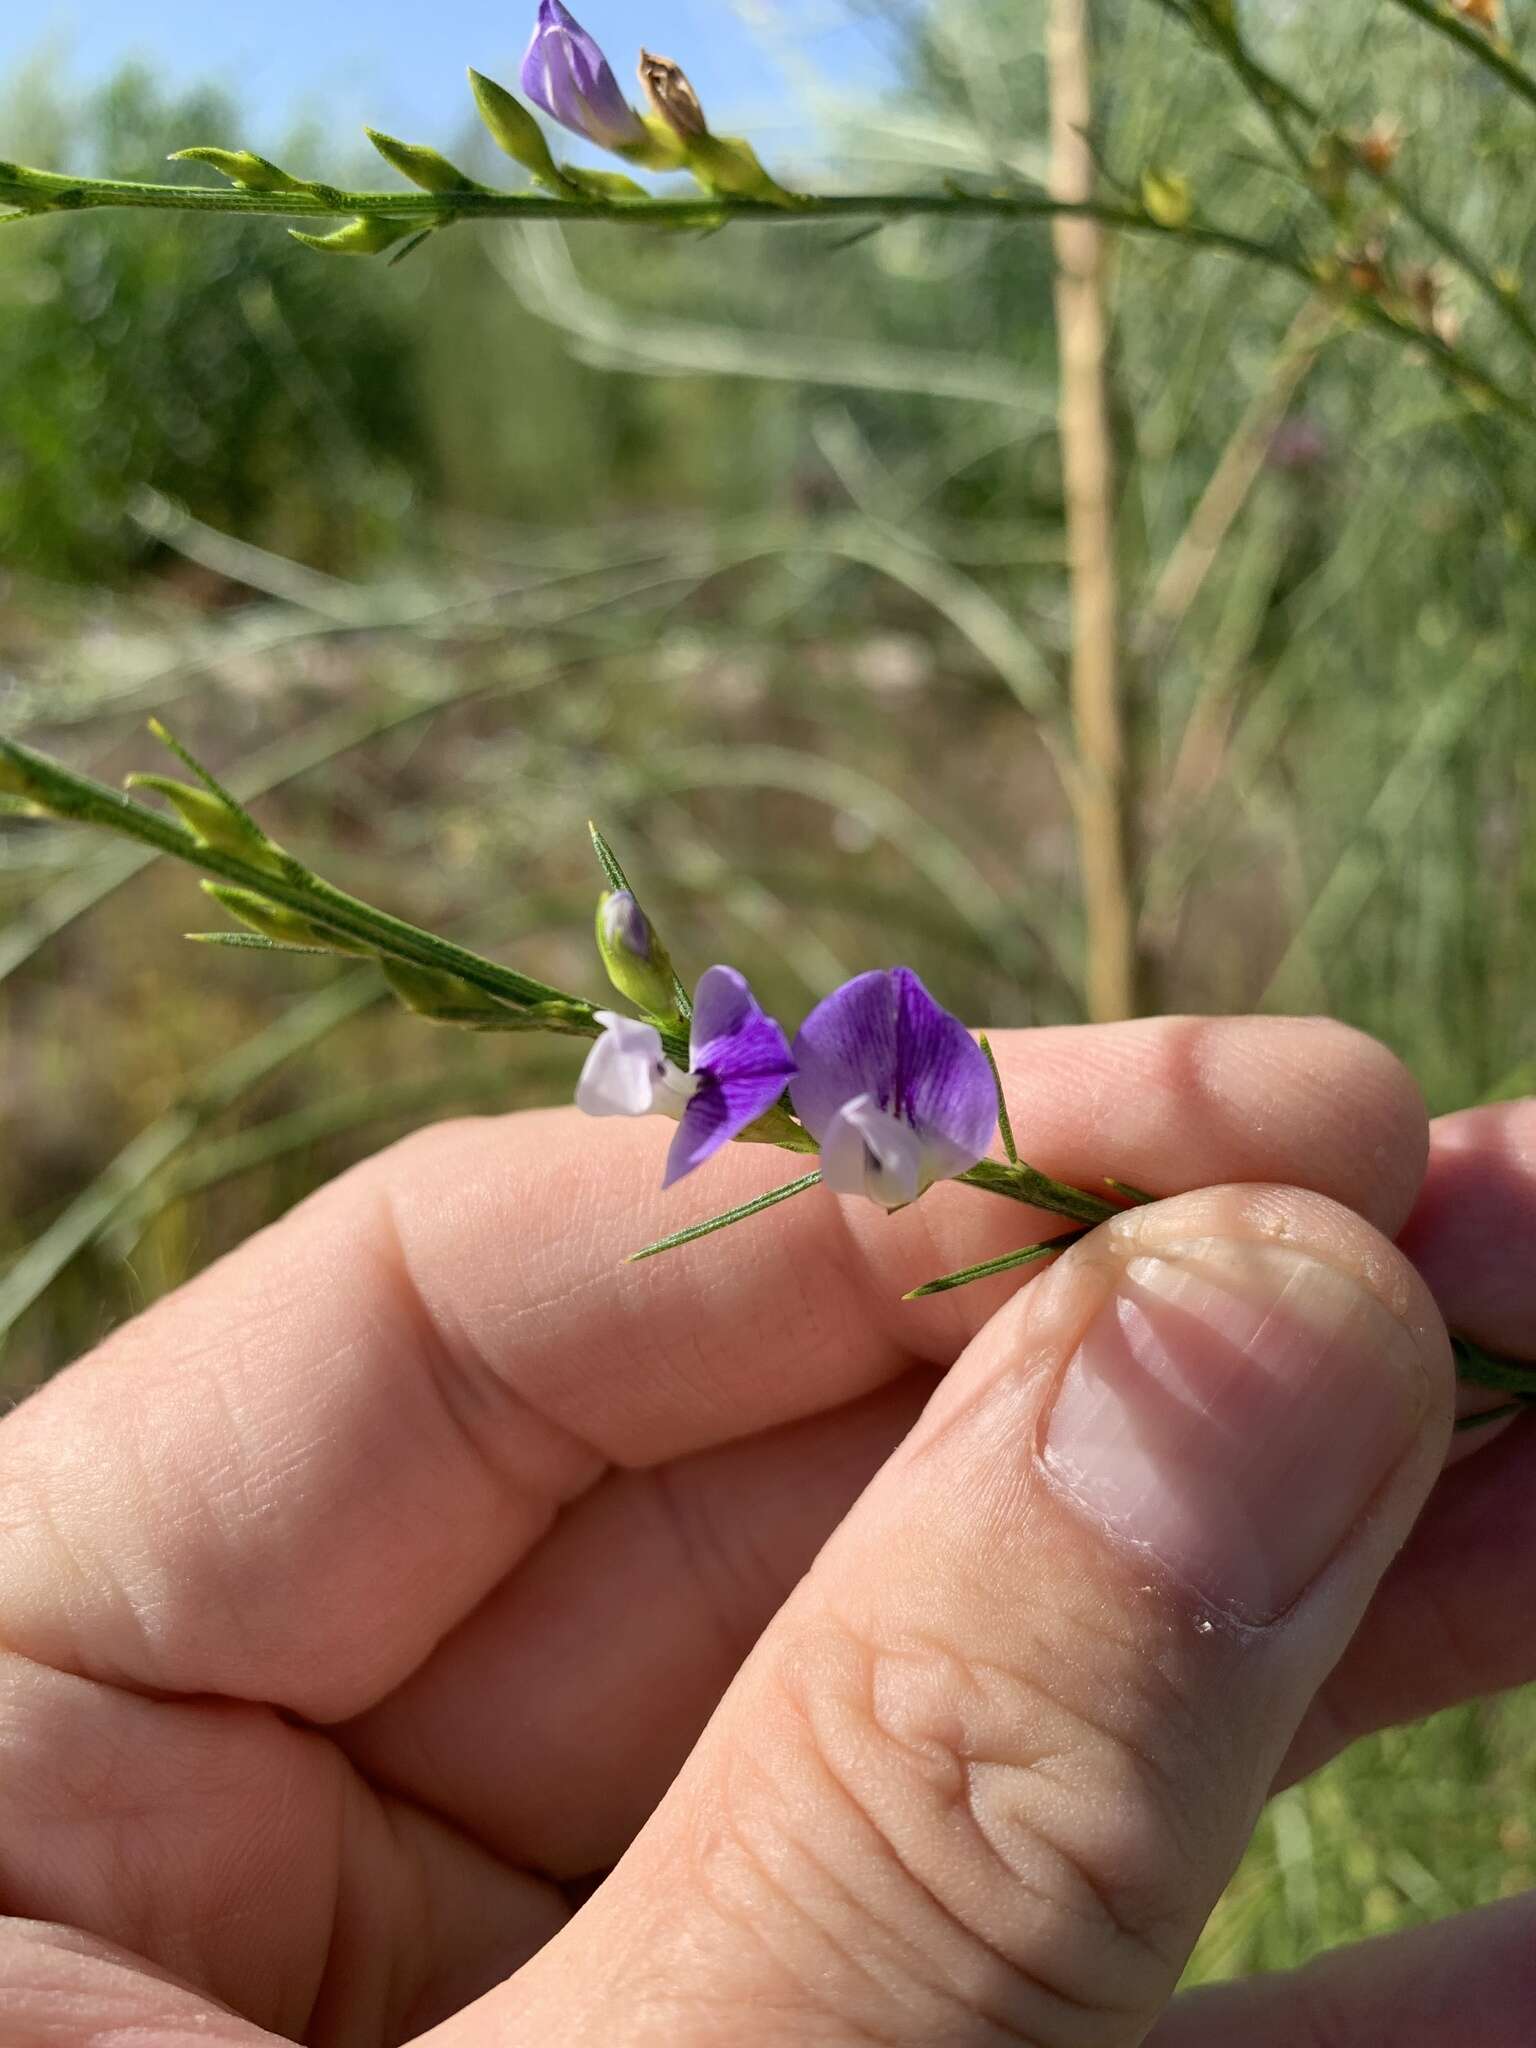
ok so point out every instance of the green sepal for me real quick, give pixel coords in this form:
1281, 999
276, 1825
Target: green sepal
777, 1127
662, 149
274, 921
243, 167
515, 131
602, 184
215, 821
423, 166
368, 235
728, 165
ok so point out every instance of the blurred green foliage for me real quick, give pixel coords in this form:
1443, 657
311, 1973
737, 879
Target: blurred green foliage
272, 397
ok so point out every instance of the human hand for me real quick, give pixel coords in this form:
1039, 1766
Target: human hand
365, 1603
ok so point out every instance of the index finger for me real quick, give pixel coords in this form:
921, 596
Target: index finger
290, 1480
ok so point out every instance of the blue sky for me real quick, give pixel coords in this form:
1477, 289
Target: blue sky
400, 63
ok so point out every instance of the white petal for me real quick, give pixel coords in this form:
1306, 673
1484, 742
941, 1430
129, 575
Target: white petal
623, 1068
675, 1089
867, 1151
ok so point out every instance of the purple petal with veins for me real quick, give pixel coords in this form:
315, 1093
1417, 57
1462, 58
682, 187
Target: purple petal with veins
567, 75
740, 1061
881, 1044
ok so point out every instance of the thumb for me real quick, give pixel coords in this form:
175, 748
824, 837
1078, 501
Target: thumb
985, 1775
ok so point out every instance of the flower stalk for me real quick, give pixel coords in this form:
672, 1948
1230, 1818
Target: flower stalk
880, 1031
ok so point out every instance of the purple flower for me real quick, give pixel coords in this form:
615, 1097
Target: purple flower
894, 1089
738, 1062
567, 75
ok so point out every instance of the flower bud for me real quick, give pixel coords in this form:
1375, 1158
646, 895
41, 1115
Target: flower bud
244, 168
423, 166
514, 129
674, 99
1167, 198
368, 235
567, 76
1379, 146
276, 922
445, 998
215, 821
637, 962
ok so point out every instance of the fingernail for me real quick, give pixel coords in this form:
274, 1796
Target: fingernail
1231, 1409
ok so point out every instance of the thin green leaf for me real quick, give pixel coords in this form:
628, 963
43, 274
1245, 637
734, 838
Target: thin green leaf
254, 942
205, 776
752, 1208
617, 879
1123, 1187
1025, 1183
1488, 1369
1500, 1414
1006, 1264
1004, 1121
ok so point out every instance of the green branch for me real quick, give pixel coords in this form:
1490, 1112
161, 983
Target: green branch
222, 840
1276, 98
379, 220
40, 192
1490, 51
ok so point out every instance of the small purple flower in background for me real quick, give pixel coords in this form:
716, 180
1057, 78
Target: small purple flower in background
738, 1063
567, 75
894, 1089
1298, 444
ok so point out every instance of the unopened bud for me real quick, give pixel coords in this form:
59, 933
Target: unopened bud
368, 235
214, 821
1483, 14
243, 167
423, 166
514, 129
276, 922
1426, 294
1365, 269
674, 99
445, 998
1378, 147
637, 962
1167, 198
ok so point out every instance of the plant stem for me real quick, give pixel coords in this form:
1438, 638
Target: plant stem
1489, 51
1275, 98
37, 192
61, 793
50, 192
1100, 786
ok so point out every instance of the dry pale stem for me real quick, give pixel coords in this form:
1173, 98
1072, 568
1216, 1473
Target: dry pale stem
1101, 791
